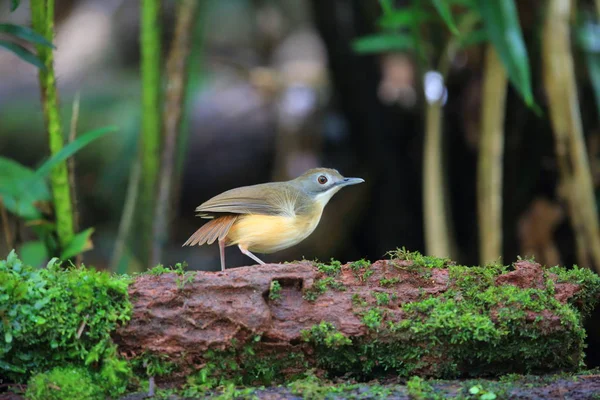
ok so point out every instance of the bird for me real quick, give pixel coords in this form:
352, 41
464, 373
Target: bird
268, 217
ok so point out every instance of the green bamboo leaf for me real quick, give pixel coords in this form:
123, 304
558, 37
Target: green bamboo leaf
33, 253
442, 8
383, 42
14, 4
23, 53
81, 242
502, 25
71, 149
25, 33
21, 190
404, 18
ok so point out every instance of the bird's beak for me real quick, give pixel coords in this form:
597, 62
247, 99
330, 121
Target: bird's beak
350, 181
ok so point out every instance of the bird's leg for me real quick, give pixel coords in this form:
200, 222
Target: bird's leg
222, 253
249, 254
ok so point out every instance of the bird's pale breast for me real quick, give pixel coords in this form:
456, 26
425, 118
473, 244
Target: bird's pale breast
271, 233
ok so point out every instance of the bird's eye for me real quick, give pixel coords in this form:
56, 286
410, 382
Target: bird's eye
322, 179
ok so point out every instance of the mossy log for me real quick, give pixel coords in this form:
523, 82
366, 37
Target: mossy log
405, 316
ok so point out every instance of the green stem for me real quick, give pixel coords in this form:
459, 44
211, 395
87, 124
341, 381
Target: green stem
42, 14
151, 118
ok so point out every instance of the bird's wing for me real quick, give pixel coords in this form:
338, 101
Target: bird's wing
264, 199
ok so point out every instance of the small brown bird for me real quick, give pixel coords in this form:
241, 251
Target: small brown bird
268, 217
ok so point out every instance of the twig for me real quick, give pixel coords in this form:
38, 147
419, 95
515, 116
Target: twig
82, 326
174, 101
5, 226
151, 382
128, 213
71, 167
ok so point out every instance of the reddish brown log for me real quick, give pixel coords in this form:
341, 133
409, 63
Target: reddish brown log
181, 316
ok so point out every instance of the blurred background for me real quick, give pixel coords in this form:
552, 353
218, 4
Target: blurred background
475, 125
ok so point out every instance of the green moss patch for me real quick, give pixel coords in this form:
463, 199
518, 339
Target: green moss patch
59, 317
475, 327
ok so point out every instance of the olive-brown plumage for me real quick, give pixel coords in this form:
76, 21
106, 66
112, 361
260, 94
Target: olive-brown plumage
268, 217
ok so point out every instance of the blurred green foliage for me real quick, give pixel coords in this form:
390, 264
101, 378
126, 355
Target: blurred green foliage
24, 191
402, 30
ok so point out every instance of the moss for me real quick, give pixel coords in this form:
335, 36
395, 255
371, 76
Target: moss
325, 334
311, 387
373, 319
419, 389
320, 286
275, 290
361, 264
64, 383
478, 391
361, 269
56, 316
474, 327
332, 269
153, 365
359, 301
419, 260
589, 295
381, 298
245, 365
160, 269
385, 282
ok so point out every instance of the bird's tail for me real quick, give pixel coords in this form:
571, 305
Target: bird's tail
214, 229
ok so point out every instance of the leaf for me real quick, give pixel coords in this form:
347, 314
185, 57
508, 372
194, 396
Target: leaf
382, 43
20, 189
405, 17
8, 337
23, 53
25, 33
14, 4
72, 148
442, 8
33, 253
80, 243
501, 22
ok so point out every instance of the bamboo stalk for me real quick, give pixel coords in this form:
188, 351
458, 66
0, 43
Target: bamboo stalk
151, 119
491, 152
560, 85
42, 13
177, 64
437, 231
